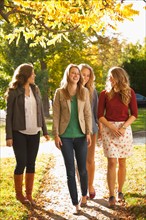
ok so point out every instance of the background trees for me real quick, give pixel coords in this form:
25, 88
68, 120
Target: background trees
45, 22
52, 34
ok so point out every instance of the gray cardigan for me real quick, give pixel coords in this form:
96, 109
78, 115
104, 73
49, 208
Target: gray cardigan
15, 117
94, 108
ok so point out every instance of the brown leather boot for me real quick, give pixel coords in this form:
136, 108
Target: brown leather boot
18, 181
29, 180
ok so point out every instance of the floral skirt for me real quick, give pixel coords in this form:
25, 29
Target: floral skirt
117, 147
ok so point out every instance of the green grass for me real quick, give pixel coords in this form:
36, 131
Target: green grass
140, 123
10, 208
135, 185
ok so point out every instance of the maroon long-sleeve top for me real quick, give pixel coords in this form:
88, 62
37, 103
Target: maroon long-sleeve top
114, 109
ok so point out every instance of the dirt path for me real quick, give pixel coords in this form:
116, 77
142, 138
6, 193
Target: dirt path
55, 204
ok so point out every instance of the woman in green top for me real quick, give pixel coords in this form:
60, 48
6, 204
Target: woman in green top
72, 126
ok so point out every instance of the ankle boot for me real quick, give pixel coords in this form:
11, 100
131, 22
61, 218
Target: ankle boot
18, 181
29, 180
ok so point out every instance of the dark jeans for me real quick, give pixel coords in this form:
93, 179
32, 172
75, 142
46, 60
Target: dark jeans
25, 150
77, 146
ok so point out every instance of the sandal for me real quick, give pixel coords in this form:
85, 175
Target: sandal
83, 204
121, 197
78, 210
112, 201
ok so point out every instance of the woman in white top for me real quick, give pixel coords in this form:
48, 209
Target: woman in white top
24, 120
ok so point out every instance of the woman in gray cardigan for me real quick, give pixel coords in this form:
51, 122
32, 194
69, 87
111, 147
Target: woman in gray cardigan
24, 120
89, 77
72, 126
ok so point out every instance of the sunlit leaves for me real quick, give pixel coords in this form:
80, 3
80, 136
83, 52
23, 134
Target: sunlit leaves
37, 19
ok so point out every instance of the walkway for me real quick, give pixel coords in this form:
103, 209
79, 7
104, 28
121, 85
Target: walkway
54, 203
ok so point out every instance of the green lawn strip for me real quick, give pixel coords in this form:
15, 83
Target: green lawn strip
140, 123
135, 185
10, 208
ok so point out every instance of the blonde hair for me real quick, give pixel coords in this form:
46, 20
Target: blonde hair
65, 81
90, 84
121, 83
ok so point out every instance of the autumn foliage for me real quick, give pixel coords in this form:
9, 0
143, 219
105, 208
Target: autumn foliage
45, 22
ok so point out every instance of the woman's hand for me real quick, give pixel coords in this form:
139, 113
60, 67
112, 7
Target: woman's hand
115, 131
88, 137
58, 142
9, 142
122, 131
47, 137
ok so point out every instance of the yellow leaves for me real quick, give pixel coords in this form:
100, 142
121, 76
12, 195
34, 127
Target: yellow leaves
59, 17
15, 35
125, 11
54, 39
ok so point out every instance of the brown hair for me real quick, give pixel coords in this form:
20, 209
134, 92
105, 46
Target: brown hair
21, 75
122, 84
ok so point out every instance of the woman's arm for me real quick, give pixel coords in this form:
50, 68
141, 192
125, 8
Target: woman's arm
9, 114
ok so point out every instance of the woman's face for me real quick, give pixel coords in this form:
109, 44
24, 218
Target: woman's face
86, 75
31, 79
112, 80
74, 75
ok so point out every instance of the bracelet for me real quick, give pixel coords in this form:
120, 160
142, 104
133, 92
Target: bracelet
123, 127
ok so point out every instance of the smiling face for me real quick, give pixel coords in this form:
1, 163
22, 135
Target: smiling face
86, 75
74, 75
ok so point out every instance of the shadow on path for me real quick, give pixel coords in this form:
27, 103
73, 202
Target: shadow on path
54, 202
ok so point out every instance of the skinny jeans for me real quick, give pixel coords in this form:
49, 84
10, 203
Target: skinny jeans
75, 148
25, 149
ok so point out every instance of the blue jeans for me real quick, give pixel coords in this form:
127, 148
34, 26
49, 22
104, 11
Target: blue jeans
75, 147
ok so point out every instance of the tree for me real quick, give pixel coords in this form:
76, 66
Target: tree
135, 64
137, 72
45, 22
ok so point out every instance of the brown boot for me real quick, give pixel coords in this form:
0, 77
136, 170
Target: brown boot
18, 181
29, 180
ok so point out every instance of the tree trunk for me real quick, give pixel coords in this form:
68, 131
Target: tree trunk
45, 98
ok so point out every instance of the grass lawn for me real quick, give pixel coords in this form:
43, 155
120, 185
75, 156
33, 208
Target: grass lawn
135, 185
10, 208
140, 123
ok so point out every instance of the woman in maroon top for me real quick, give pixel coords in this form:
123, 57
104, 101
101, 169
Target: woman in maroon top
117, 110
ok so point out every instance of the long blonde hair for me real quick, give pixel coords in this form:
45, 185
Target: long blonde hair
65, 81
90, 84
122, 84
